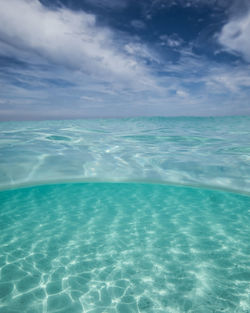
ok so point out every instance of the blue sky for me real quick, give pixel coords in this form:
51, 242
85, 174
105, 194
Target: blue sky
114, 58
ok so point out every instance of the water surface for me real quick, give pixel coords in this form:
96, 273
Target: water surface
213, 152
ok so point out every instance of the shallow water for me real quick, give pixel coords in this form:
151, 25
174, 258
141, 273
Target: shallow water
125, 247
118, 248
212, 152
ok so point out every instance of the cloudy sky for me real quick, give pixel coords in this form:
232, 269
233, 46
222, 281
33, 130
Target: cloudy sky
113, 58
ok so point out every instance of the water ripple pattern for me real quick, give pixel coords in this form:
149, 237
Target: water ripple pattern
121, 248
211, 152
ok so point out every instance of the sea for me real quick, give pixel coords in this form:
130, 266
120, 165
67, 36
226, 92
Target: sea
125, 215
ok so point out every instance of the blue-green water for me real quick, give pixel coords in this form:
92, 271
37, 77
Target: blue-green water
211, 152
132, 235
124, 248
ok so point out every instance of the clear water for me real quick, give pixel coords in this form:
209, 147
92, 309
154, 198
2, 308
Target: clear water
119, 241
211, 152
101, 247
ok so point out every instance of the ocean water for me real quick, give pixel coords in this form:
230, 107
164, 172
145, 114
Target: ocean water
210, 152
131, 215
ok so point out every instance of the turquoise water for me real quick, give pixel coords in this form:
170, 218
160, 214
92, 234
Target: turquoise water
211, 152
132, 215
100, 247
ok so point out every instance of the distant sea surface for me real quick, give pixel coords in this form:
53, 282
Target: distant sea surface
125, 215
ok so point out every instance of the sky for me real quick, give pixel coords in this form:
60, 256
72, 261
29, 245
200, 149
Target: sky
66, 59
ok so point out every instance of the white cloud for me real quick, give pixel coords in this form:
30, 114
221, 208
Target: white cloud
141, 51
235, 36
173, 41
227, 79
210, 88
120, 75
182, 93
70, 39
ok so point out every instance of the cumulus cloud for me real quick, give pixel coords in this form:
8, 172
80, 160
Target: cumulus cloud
61, 36
235, 36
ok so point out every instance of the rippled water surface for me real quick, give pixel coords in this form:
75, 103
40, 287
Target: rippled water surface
213, 152
118, 248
